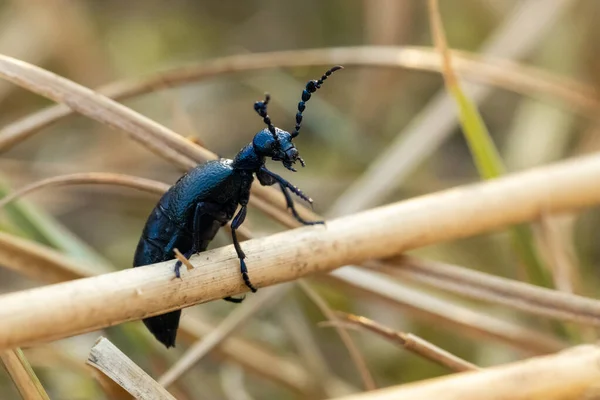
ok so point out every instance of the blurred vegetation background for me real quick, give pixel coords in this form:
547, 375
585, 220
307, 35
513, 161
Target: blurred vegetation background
361, 114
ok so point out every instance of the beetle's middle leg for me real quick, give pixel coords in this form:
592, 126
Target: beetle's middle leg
238, 220
206, 222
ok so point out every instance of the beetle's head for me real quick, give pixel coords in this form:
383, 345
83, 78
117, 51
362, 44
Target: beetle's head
278, 147
277, 143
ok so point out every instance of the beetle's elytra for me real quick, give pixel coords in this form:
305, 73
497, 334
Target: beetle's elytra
191, 212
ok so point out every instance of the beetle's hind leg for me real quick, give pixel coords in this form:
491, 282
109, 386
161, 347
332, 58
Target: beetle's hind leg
178, 264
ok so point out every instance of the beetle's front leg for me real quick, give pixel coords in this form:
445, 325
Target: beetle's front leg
290, 204
271, 178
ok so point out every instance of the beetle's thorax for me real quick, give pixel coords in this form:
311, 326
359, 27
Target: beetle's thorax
248, 159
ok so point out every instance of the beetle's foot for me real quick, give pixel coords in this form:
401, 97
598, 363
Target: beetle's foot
236, 300
245, 276
313, 222
177, 269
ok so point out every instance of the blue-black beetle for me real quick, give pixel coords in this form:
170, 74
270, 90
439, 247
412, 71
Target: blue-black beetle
189, 215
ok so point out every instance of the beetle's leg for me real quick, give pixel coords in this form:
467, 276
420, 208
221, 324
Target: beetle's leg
265, 178
237, 222
215, 212
178, 264
290, 205
236, 300
276, 178
269, 178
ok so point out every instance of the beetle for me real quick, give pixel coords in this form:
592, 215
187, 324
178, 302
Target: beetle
190, 213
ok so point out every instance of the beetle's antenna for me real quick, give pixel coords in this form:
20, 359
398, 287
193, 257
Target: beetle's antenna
311, 87
261, 108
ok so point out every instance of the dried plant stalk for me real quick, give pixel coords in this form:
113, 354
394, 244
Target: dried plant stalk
225, 329
260, 361
572, 374
109, 360
502, 73
74, 307
37, 262
20, 371
412, 343
448, 314
86, 178
355, 354
478, 285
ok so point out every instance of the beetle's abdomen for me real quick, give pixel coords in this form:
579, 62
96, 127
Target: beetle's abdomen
160, 236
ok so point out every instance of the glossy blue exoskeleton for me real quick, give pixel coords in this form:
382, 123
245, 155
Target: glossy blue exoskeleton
189, 215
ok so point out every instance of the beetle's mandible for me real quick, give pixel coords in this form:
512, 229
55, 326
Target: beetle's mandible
189, 215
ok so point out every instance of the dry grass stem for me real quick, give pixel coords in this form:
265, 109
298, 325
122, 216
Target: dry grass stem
447, 313
109, 360
93, 105
519, 295
297, 327
226, 328
560, 258
48, 266
412, 343
498, 72
88, 178
355, 353
22, 375
111, 389
454, 316
439, 38
59, 268
183, 260
157, 138
38, 262
70, 308
572, 374
260, 361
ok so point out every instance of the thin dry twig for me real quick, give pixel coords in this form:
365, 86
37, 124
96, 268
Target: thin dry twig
355, 353
439, 38
225, 329
70, 308
109, 360
157, 138
183, 260
481, 286
572, 374
564, 269
503, 73
38, 262
22, 375
410, 342
100, 108
448, 313
296, 326
88, 178
260, 361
